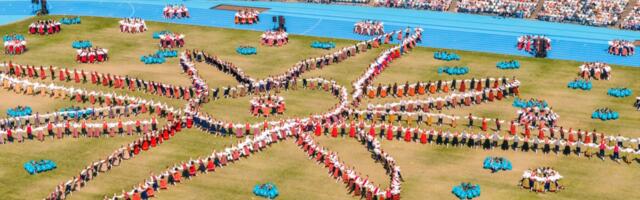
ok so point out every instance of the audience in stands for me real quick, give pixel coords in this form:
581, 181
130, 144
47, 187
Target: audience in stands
132, 25
247, 16
588, 12
621, 48
175, 11
595, 70
274, 38
437, 5
43, 27
505, 8
369, 27
632, 22
92, 55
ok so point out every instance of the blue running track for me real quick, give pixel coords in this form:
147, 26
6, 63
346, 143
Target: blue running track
442, 29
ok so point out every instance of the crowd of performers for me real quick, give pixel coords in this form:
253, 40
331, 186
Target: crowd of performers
132, 25
595, 70
274, 38
92, 55
621, 48
148, 140
543, 179
97, 78
369, 27
496, 88
175, 11
266, 106
171, 40
14, 44
286, 80
536, 45
44, 27
536, 116
247, 16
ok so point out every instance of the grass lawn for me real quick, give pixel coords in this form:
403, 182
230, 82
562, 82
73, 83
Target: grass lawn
429, 171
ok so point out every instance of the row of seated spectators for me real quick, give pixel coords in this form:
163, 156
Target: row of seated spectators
632, 22
588, 12
505, 8
437, 5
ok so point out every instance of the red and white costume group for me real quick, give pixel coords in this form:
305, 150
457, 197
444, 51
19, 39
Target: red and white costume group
44, 27
274, 38
175, 11
369, 27
92, 55
15, 46
247, 16
621, 48
133, 25
527, 42
172, 40
595, 70
267, 105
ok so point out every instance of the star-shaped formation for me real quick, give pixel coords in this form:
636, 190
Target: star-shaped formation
25, 80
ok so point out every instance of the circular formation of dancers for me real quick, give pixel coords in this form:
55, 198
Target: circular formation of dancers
133, 25
266, 106
44, 27
543, 179
536, 45
14, 44
175, 11
595, 70
621, 48
171, 40
92, 55
274, 38
369, 27
247, 16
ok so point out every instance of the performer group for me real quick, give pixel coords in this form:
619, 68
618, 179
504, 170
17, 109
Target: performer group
175, 11
536, 45
92, 55
247, 16
274, 38
132, 25
595, 70
369, 27
14, 44
621, 48
171, 40
44, 27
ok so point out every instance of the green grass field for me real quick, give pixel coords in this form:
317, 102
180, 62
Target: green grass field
430, 171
